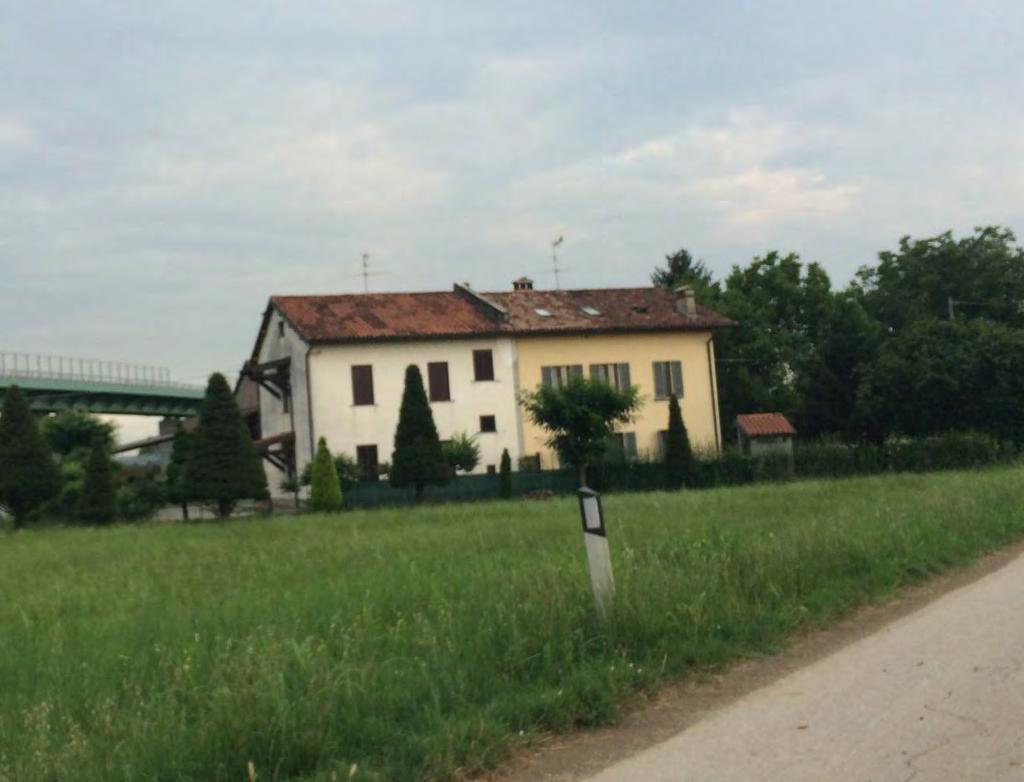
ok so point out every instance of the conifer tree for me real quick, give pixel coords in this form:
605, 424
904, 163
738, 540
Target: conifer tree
28, 474
678, 453
418, 458
177, 471
325, 486
505, 471
98, 504
224, 466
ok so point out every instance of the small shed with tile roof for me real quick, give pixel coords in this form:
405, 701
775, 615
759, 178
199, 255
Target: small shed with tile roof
761, 433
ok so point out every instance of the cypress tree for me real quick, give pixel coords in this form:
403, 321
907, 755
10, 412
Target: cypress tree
325, 487
28, 474
177, 470
224, 466
678, 454
98, 504
506, 474
418, 458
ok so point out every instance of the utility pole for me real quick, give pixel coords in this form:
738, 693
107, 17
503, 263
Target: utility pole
554, 259
950, 303
366, 272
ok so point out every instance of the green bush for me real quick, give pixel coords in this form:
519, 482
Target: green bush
505, 472
140, 499
325, 488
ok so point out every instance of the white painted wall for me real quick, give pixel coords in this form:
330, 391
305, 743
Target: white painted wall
346, 425
274, 419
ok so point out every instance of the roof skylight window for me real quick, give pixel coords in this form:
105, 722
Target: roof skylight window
543, 312
592, 311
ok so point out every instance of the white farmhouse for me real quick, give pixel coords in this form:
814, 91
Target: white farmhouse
334, 367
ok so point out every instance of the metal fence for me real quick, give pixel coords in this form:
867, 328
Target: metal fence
462, 488
36, 365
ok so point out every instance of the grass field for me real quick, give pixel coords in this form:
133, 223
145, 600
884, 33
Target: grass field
425, 644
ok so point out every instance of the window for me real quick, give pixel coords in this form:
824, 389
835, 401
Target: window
362, 384
615, 375
662, 442
488, 423
621, 447
559, 376
543, 312
668, 379
280, 329
491, 470
437, 376
591, 311
483, 365
366, 457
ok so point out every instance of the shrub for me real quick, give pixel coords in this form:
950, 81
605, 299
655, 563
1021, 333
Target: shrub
325, 488
506, 475
224, 467
98, 503
462, 453
678, 454
417, 459
140, 499
28, 474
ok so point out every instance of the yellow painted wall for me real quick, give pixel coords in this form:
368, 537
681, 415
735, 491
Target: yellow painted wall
640, 351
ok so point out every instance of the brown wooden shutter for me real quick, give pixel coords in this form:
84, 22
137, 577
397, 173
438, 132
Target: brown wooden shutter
483, 365
437, 374
362, 384
576, 370
547, 376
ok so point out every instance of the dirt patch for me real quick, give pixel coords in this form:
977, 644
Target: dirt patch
572, 757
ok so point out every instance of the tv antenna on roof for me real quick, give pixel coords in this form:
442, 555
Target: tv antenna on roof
366, 274
554, 259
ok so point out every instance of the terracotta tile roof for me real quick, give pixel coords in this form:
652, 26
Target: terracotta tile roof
764, 424
607, 309
375, 316
465, 313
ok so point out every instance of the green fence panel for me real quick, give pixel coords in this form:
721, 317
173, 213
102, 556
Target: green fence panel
462, 488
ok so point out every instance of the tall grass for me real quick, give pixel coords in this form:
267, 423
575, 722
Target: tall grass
419, 644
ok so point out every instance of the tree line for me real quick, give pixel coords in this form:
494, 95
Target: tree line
927, 340
61, 468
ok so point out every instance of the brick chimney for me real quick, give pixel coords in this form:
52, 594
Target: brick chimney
686, 301
522, 284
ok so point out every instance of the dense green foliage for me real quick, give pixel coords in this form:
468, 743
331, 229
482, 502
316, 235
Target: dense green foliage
936, 375
73, 430
834, 360
678, 453
505, 474
580, 417
139, 498
98, 503
325, 487
462, 452
425, 644
418, 459
983, 274
28, 474
223, 466
348, 469
178, 490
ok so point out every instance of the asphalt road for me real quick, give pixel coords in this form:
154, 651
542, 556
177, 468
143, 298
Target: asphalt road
937, 695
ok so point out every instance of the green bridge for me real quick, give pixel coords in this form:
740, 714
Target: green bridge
54, 383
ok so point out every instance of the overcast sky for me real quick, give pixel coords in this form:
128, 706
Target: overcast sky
165, 167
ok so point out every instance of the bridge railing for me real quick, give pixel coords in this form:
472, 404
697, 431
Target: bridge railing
36, 365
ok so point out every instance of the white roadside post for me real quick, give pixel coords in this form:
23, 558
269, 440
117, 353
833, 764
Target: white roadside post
596, 538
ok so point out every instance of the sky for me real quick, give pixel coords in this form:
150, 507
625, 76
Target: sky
166, 167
